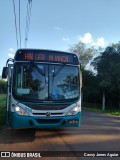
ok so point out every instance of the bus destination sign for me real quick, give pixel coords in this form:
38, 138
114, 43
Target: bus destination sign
46, 56
43, 57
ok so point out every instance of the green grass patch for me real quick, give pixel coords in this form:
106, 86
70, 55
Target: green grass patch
108, 111
116, 113
2, 100
2, 109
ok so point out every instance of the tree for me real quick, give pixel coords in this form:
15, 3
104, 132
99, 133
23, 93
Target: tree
85, 54
91, 88
108, 73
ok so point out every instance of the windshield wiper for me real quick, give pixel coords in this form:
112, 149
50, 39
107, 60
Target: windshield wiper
58, 71
38, 69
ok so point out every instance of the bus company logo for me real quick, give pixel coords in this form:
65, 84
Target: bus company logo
48, 114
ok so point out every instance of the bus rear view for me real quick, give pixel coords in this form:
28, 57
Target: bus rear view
44, 90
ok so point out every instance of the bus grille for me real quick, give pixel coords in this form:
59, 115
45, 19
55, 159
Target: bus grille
47, 107
43, 114
48, 121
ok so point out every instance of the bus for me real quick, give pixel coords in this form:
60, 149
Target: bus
44, 89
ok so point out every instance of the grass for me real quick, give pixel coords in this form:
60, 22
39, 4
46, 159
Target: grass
2, 109
107, 111
2, 100
113, 112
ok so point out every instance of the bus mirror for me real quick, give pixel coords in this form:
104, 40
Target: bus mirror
5, 72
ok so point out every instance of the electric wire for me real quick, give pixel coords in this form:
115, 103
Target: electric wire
15, 23
26, 29
19, 24
18, 28
29, 6
28, 16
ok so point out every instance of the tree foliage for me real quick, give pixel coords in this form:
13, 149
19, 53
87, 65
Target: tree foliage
85, 54
108, 73
90, 87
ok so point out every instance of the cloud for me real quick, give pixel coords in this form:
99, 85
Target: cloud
87, 38
67, 39
58, 28
11, 53
101, 42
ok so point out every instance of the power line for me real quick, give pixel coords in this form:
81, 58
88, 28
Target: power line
19, 23
15, 23
28, 15
18, 28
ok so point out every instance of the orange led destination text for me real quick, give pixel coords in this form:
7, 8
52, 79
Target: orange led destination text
42, 57
32, 56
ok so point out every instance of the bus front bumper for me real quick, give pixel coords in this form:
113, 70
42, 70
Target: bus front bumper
18, 121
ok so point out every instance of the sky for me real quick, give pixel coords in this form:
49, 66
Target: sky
58, 24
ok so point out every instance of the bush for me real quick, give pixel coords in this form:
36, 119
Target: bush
3, 86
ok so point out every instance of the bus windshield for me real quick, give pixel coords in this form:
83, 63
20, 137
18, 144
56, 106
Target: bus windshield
45, 82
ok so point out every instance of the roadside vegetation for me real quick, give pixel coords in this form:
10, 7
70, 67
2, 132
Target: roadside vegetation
114, 112
2, 100
101, 76
2, 109
3, 87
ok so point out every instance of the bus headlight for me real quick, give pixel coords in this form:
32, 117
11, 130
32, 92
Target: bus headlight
74, 111
21, 111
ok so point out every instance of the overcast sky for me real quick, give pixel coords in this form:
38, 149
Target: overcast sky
57, 24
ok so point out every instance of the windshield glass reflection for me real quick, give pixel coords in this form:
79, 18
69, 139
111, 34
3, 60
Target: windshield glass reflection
45, 82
